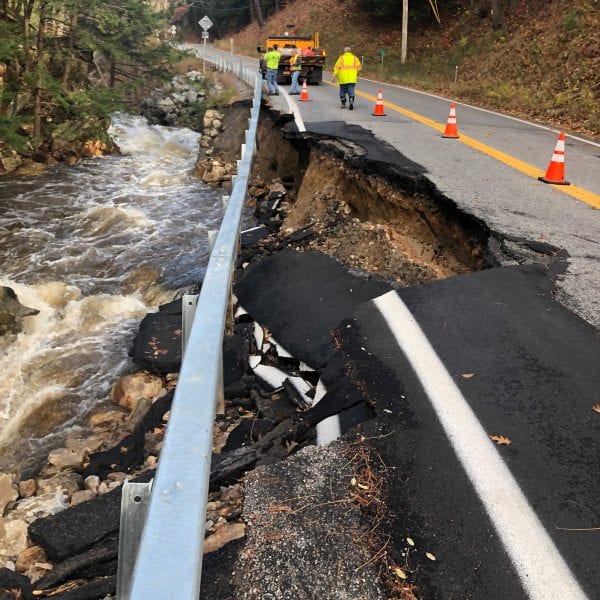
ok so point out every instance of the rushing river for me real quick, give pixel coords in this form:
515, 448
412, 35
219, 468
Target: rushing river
94, 248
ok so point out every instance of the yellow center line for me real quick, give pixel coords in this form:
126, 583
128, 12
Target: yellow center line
575, 191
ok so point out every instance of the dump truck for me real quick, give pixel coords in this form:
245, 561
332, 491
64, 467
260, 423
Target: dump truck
309, 49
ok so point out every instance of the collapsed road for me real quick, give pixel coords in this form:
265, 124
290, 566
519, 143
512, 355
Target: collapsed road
434, 344
478, 389
476, 392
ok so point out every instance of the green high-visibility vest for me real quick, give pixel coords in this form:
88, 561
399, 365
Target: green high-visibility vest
272, 59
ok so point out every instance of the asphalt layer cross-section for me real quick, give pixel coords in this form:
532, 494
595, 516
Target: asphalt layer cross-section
528, 369
301, 297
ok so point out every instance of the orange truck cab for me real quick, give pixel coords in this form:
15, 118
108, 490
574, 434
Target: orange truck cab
311, 54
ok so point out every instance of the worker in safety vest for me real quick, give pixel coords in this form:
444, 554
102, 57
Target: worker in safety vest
271, 59
295, 68
346, 71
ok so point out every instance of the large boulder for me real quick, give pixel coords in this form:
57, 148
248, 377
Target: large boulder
12, 311
13, 538
75, 138
9, 159
132, 388
31, 168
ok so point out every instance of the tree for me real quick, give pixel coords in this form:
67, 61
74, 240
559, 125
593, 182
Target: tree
50, 49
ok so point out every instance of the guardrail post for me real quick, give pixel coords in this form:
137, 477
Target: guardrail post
188, 310
134, 503
212, 236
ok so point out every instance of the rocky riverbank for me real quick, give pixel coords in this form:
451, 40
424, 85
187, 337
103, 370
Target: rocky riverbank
188, 100
69, 143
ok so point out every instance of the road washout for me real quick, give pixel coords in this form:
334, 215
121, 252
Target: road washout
306, 509
318, 192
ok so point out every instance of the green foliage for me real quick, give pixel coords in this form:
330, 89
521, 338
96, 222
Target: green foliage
99, 102
9, 41
10, 133
90, 54
570, 21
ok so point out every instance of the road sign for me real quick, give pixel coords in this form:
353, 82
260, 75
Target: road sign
205, 35
205, 23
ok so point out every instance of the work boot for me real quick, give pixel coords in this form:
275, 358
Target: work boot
343, 103
351, 107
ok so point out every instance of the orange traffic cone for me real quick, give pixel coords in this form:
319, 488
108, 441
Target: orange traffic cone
451, 130
304, 92
378, 111
556, 169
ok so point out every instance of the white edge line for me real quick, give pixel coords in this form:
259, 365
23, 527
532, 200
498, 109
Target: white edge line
328, 430
271, 375
541, 568
293, 109
288, 100
252, 229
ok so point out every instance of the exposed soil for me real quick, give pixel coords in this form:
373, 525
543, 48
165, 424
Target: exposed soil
368, 223
362, 219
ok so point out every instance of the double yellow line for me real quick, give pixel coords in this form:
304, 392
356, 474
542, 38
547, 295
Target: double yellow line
572, 190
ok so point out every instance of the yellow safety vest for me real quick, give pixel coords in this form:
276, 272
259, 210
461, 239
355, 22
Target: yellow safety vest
272, 59
296, 63
346, 68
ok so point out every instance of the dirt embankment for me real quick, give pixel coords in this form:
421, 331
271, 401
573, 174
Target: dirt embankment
542, 62
408, 233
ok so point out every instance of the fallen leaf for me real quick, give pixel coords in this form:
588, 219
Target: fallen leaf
399, 573
467, 375
362, 486
596, 408
501, 440
410, 541
430, 556
290, 445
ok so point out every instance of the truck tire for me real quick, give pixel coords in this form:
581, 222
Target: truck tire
316, 77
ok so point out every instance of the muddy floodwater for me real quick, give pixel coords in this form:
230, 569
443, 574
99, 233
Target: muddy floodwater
94, 248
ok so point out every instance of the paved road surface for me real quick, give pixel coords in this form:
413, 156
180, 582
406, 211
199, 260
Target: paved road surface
493, 187
453, 362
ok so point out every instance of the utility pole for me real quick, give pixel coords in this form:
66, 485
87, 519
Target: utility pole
404, 30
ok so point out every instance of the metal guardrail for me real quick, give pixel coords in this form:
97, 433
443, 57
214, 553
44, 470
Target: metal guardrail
235, 67
169, 557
